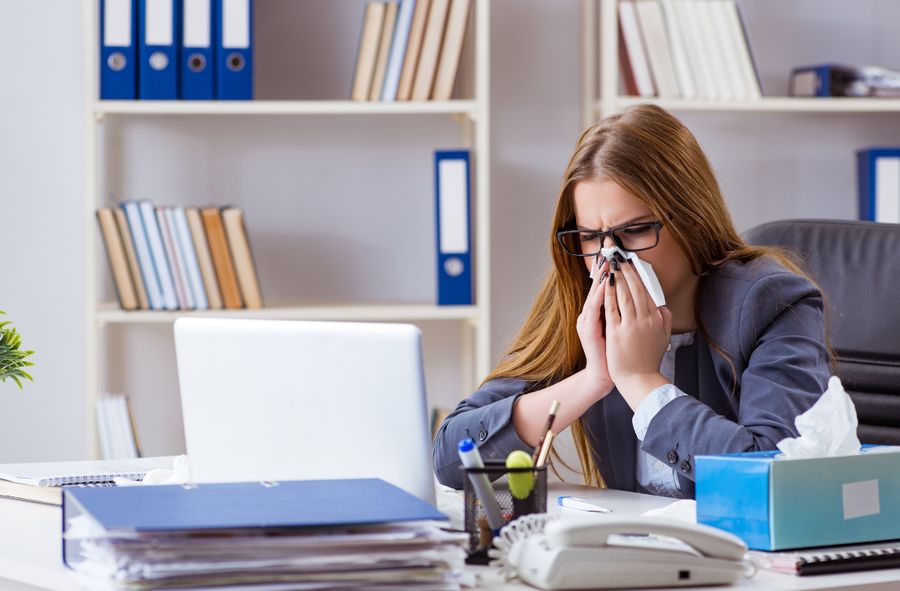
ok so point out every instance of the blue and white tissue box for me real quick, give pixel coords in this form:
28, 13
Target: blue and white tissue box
778, 504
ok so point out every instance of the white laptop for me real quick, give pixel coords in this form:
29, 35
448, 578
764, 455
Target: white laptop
291, 400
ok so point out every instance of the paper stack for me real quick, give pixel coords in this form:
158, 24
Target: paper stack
326, 534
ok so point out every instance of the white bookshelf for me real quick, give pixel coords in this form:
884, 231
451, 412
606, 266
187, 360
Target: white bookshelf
472, 116
600, 80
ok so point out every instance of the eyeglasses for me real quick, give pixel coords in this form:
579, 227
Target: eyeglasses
630, 237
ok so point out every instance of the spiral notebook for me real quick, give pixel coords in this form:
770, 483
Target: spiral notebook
835, 559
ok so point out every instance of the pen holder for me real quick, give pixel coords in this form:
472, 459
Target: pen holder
504, 481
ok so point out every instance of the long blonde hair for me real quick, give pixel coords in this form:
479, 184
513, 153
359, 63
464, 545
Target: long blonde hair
654, 157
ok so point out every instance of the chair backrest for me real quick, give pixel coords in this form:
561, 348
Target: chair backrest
857, 264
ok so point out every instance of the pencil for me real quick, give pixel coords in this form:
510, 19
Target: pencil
545, 449
554, 407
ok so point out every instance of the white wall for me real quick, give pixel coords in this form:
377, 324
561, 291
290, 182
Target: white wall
298, 177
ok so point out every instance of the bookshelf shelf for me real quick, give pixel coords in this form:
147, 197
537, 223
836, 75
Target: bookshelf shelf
111, 313
768, 105
468, 108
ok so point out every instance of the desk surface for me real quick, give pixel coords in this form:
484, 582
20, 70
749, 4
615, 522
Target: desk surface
30, 549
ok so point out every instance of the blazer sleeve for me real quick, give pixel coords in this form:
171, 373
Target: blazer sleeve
486, 417
782, 336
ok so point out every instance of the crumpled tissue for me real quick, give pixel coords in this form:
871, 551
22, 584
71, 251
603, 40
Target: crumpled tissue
827, 429
644, 270
179, 474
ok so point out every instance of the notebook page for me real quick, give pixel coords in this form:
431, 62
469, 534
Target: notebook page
84, 471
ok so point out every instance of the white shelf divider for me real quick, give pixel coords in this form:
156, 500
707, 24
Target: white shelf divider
467, 108
111, 313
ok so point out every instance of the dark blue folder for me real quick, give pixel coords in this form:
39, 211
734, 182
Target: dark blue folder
288, 504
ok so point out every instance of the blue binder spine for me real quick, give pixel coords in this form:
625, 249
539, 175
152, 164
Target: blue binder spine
234, 49
453, 192
879, 198
811, 80
118, 56
197, 43
158, 50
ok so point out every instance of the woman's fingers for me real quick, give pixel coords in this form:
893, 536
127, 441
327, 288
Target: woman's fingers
595, 282
623, 293
643, 303
609, 300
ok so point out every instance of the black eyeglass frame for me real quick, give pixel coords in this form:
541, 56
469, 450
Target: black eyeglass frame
611, 233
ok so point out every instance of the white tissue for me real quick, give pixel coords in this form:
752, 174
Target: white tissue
179, 474
827, 429
645, 272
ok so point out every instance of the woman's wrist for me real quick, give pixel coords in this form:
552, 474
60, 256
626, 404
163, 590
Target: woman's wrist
637, 387
594, 387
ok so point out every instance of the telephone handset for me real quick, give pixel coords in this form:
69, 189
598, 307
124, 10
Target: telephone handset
621, 552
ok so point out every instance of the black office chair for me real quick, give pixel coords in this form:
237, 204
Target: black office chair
857, 264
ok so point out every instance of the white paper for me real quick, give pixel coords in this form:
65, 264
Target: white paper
453, 210
196, 23
861, 499
236, 24
117, 23
827, 429
645, 272
158, 29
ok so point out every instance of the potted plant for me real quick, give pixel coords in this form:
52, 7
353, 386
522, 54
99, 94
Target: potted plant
12, 358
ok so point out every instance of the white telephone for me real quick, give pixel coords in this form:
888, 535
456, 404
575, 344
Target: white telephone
616, 552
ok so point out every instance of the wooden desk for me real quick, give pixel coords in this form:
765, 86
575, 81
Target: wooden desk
31, 549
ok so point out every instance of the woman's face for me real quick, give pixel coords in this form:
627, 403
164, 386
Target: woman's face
603, 204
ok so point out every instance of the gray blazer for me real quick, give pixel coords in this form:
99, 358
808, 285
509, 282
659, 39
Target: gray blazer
770, 324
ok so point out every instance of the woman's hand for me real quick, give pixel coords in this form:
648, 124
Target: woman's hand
637, 335
590, 332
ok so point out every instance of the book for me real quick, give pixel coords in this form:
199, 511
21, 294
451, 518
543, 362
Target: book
698, 57
729, 48
368, 50
118, 262
457, 18
384, 50
142, 249
158, 255
634, 45
175, 264
204, 259
657, 44
131, 257
413, 48
683, 72
398, 50
221, 257
43, 482
835, 559
431, 48
185, 246
239, 244
742, 43
878, 184
712, 49
118, 439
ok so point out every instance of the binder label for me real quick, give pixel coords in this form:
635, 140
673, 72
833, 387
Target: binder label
159, 22
196, 23
236, 24
117, 23
454, 235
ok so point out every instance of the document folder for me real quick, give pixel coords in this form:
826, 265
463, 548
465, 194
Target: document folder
197, 63
234, 49
118, 63
453, 198
243, 505
158, 73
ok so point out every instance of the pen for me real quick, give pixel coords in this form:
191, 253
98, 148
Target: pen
554, 407
545, 449
580, 504
471, 458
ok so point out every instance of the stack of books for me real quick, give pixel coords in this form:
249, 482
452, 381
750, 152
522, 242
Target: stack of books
272, 536
688, 49
410, 50
179, 258
115, 424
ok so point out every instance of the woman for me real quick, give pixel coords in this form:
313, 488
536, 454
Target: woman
737, 352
